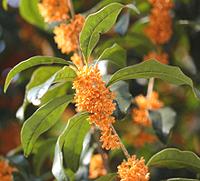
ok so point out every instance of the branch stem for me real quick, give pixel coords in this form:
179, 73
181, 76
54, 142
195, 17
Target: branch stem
150, 88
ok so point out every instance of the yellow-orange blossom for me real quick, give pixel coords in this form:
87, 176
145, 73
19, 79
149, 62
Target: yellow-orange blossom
93, 96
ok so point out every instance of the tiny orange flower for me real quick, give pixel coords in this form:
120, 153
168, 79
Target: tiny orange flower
93, 96
161, 57
159, 29
54, 10
66, 35
96, 168
133, 170
6, 171
76, 59
140, 114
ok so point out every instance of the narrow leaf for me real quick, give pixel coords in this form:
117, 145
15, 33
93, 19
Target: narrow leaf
181, 179
96, 24
115, 54
175, 159
152, 68
31, 62
123, 23
43, 119
70, 141
4, 4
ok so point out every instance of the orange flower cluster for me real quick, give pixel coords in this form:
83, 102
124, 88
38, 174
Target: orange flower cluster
76, 59
143, 138
133, 170
140, 114
159, 29
54, 10
6, 171
66, 35
96, 167
93, 96
162, 57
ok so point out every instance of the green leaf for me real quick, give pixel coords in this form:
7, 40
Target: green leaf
175, 159
115, 54
152, 68
96, 24
43, 119
181, 179
35, 94
108, 177
5, 5
70, 142
31, 62
163, 120
30, 12
123, 24
43, 153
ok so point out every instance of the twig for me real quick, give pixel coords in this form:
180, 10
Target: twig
121, 144
71, 7
150, 88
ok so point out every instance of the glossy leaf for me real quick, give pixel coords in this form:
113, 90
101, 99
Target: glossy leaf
153, 68
31, 62
30, 12
174, 159
115, 54
35, 94
163, 120
96, 24
43, 119
123, 23
108, 177
69, 145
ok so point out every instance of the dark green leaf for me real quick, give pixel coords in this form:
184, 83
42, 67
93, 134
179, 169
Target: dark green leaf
174, 159
31, 62
30, 12
115, 54
152, 68
71, 142
43, 119
108, 177
163, 120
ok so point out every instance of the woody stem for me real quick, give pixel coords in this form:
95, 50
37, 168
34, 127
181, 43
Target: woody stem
150, 88
71, 7
125, 151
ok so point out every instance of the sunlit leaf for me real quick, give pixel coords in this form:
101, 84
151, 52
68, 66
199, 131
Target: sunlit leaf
115, 54
69, 145
4, 4
174, 159
152, 68
31, 62
43, 119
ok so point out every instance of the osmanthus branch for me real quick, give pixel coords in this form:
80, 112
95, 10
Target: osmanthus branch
99, 148
72, 12
150, 88
125, 151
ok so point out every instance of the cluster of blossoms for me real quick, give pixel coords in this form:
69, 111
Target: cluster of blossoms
66, 35
97, 167
93, 96
159, 29
133, 169
140, 114
53, 10
161, 57
6, 171
67, 32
